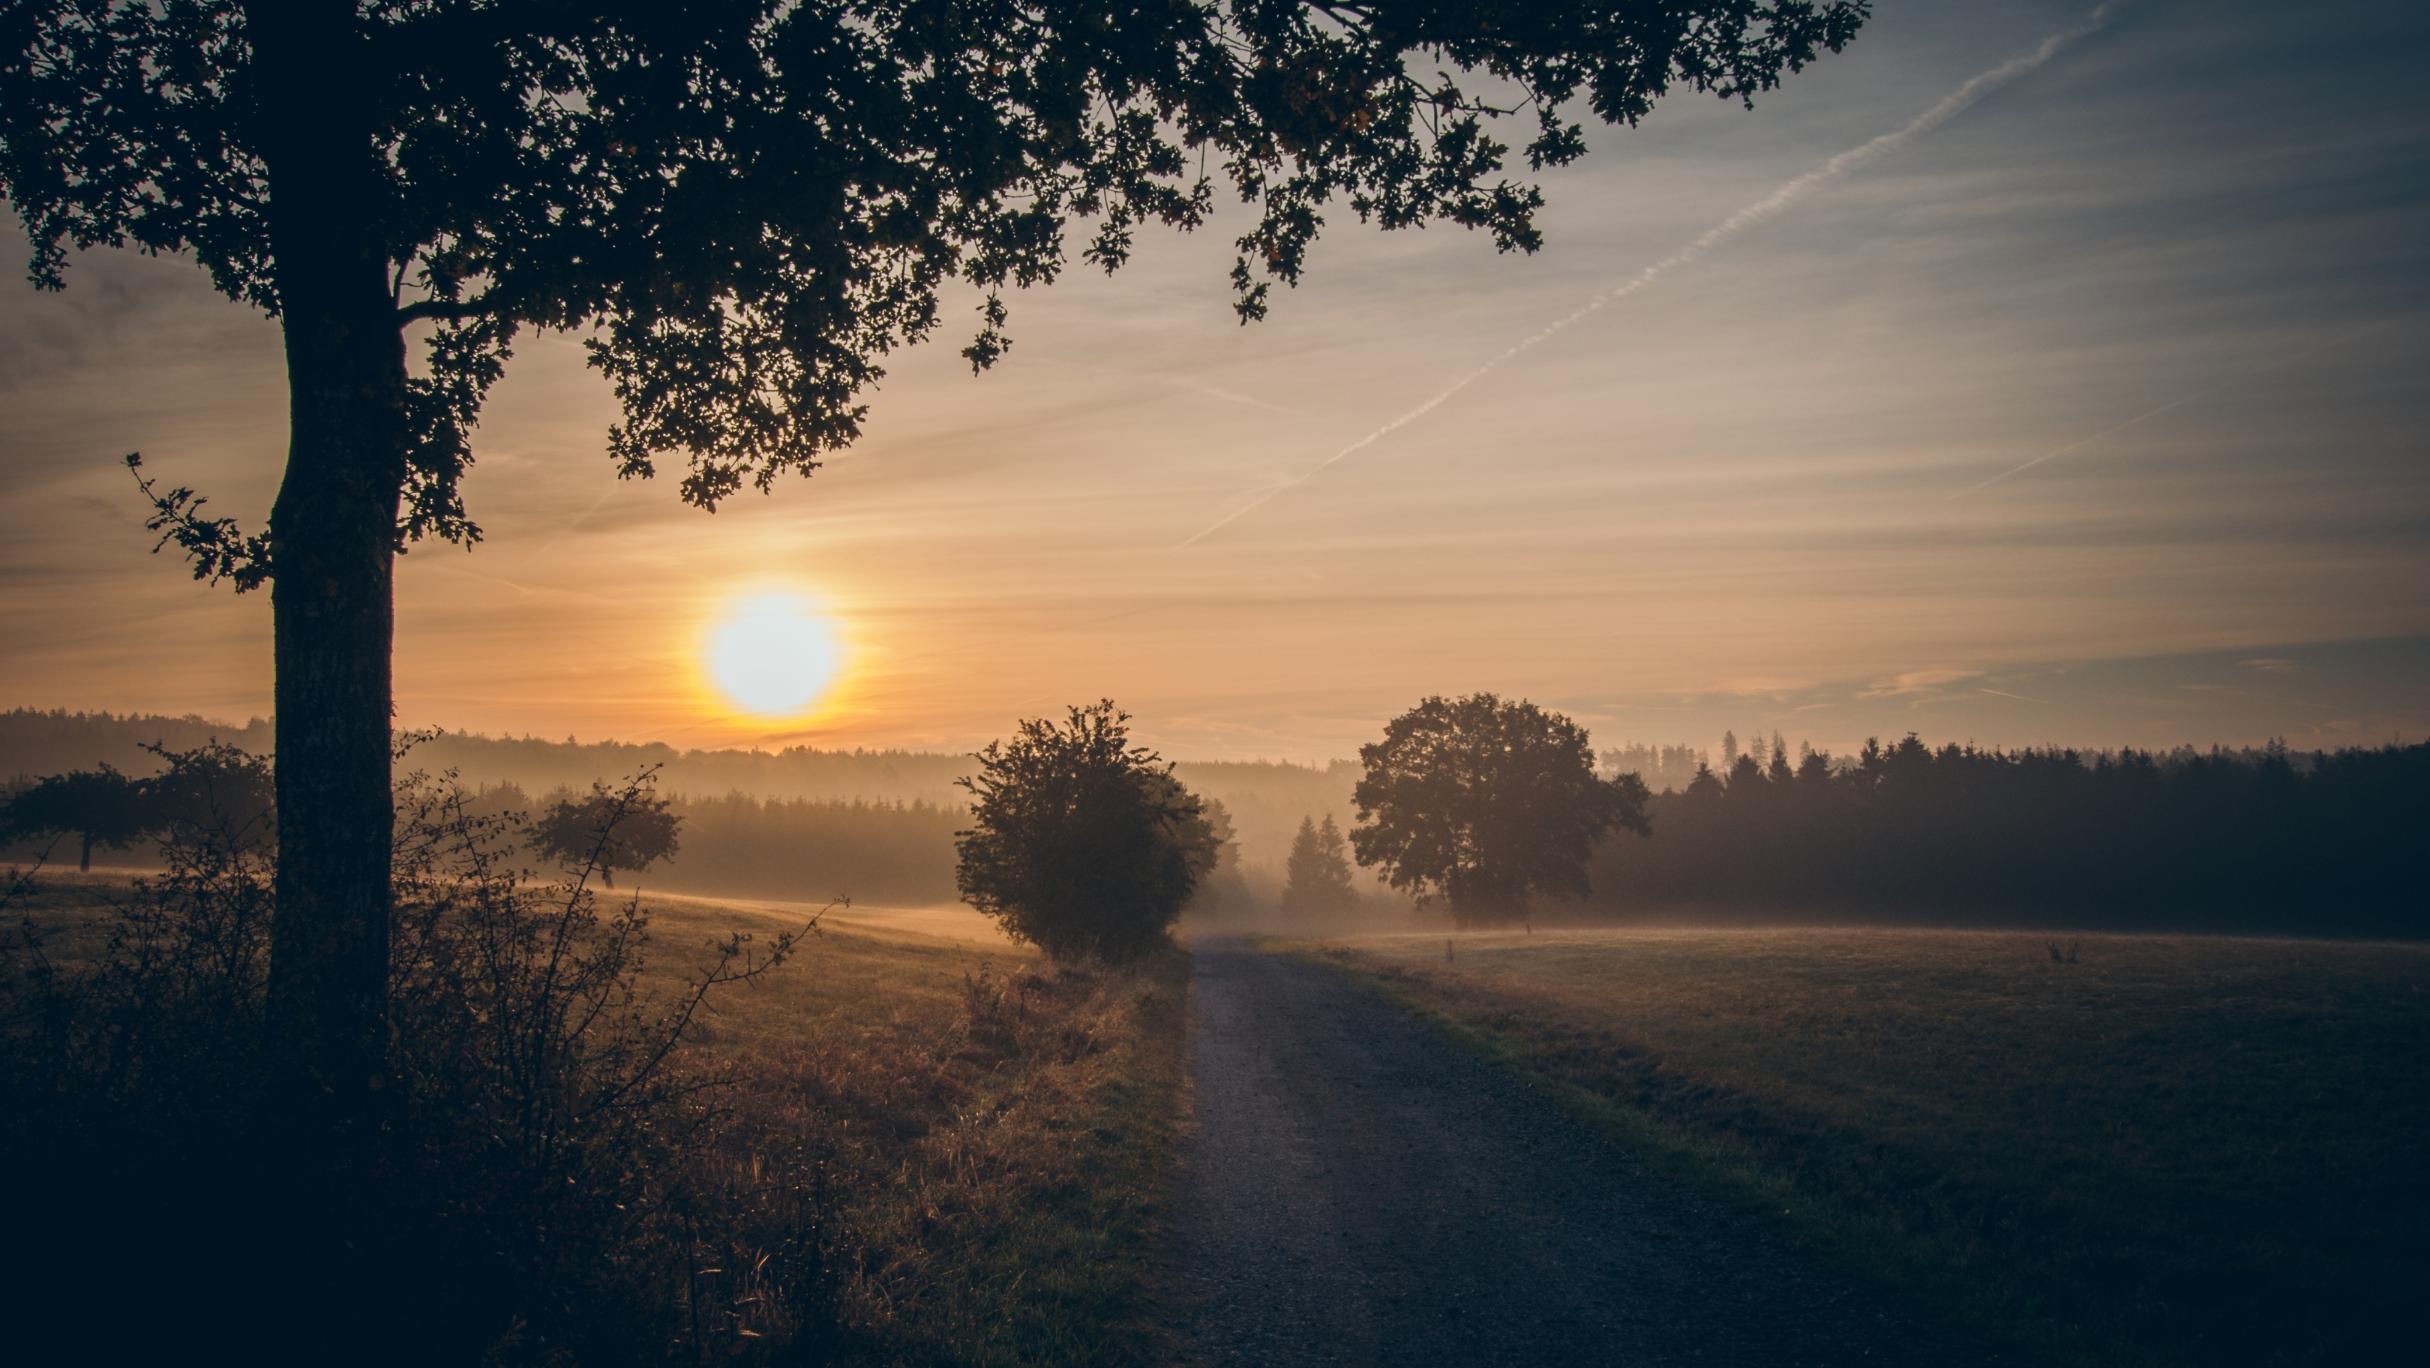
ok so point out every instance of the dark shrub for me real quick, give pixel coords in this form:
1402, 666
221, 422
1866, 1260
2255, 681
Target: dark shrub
1080, 842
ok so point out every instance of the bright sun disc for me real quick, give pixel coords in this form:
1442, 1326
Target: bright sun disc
773, 654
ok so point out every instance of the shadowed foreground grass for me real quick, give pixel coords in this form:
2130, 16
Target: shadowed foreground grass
932, 1150
995, 1137
2174, 1150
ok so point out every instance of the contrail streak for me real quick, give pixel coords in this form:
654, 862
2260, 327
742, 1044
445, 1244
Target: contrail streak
1956, 102
2082, 442
2284, 361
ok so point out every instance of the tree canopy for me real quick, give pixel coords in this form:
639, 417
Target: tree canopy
212, 788
747, 205
607, 830
100, 807
1080, 842
216, 788
1486, 804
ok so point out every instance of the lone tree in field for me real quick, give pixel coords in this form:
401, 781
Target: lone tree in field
607, 831
1316, 875
1486, 804
99, 807
1080, 842
740, 207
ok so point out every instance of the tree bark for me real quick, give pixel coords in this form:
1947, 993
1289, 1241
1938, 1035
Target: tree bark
333, 540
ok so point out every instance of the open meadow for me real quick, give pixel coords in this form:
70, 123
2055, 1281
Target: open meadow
2103, 1149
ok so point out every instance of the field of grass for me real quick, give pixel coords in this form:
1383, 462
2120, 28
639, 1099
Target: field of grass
995, 1135
972, 1147
2173, 1150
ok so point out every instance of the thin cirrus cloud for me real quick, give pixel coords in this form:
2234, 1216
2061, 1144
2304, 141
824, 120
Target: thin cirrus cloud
1780, 200
2200, 234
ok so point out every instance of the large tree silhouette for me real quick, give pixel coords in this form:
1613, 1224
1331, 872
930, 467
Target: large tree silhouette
1486, 804
742, 206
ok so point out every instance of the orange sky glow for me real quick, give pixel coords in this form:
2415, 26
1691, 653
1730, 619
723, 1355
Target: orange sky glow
1751, 494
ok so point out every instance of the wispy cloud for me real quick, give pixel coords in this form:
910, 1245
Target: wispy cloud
1915, 683
1788, 193
1761, 686
2292, 356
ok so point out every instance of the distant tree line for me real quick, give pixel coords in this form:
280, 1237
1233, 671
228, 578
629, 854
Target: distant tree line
38, 741
1663, 768
1264, 799
814, 849
795, 848
874, 851
2219, 840
2259, 839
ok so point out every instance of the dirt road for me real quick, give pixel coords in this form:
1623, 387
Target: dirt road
1359, 1191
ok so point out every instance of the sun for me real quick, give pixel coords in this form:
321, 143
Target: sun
772, 653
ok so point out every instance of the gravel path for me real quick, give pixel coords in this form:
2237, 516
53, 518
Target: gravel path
1359, 1191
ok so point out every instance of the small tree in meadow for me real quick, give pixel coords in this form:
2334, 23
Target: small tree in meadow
1316, 878
99, 807
628, 828
1080, 842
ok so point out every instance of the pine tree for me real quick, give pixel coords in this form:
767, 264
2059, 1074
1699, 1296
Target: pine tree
1317, 873
1299, 868
1333, 866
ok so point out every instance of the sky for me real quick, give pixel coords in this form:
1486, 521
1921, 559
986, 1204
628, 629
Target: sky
2092, 414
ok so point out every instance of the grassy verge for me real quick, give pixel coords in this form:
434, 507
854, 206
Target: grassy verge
994, 1137
2172, 1150
936, 1150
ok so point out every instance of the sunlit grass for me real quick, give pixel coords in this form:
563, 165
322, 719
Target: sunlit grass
2175, 1149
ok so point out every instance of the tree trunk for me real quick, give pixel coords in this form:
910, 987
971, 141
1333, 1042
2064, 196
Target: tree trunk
84, 853
333, 537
